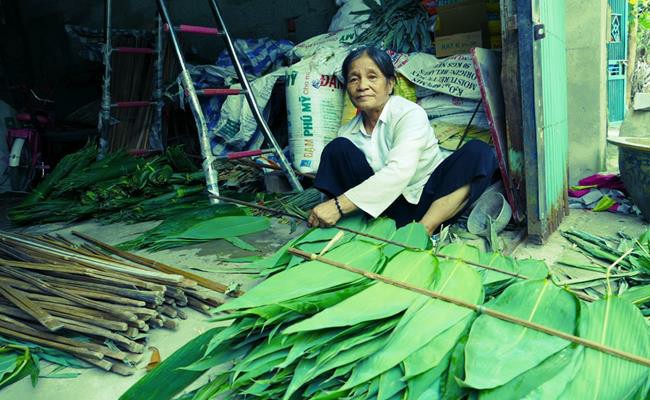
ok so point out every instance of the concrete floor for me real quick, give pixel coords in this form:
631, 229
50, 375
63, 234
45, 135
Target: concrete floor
205, 259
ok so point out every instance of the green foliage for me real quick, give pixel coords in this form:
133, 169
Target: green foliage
399, 25
180, 223
498, 351
17, 362
312, 331
618, 324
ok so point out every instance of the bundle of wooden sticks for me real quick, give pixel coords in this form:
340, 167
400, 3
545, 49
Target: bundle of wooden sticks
90, 303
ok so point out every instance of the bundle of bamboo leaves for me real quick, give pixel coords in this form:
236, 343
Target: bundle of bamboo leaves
125, 188
89, 304
315, 331
630, 277
399, 25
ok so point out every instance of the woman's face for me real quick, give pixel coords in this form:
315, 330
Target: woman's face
367, 86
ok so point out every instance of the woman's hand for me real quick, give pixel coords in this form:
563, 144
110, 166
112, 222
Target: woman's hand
324, 215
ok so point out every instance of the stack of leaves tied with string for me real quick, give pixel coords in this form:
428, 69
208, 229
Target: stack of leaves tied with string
314, 331
399, 25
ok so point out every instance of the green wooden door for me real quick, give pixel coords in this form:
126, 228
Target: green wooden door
543, 74
617, 60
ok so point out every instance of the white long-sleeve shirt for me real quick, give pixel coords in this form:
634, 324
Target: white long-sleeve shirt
402, 150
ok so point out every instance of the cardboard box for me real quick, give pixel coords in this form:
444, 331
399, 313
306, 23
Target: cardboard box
458, 44
461, 26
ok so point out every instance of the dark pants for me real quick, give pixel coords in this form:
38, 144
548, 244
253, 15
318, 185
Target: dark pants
344, 166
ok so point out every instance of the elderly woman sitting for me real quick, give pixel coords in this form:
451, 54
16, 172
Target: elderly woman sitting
386, 160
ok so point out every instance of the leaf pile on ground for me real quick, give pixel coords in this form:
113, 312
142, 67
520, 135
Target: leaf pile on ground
312, 331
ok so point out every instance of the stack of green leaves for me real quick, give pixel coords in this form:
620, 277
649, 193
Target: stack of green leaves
314, 331
399, 25
631, 275
119, 187
222, 221
112, 166
71, 162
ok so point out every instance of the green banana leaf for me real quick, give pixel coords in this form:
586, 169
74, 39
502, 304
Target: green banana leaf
427, 385
451, 388
615, 323
532, 269
456, 279
390, 384
168, 379
381, 227
310, 277
535, 378
413, 234
242, 244
309, 369
498, 351
637, 295
432, 354
553, 388
224, 227
380, 300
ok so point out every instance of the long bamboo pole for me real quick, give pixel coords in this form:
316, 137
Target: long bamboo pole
478, 308
403, 245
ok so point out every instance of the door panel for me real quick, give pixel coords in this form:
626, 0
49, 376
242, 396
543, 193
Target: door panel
617, 60
543, 75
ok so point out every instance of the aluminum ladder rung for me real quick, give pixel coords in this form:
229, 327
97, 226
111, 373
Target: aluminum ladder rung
245, 154
200, 30
211, 175
219, 92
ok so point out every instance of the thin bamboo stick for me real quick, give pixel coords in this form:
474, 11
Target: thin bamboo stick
169, 311
122, 369
478, 309
207, 283
170, 324
69, 269
108, 298
103, 364
72, 256
212, 302
15, 253
128, 316
131, 332
24, 303
274, 212
84, 315
123, 294
32, 335
199, 306
80, 327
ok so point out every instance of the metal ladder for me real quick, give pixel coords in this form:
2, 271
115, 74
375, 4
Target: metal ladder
164, 23
192, 95
155, 137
